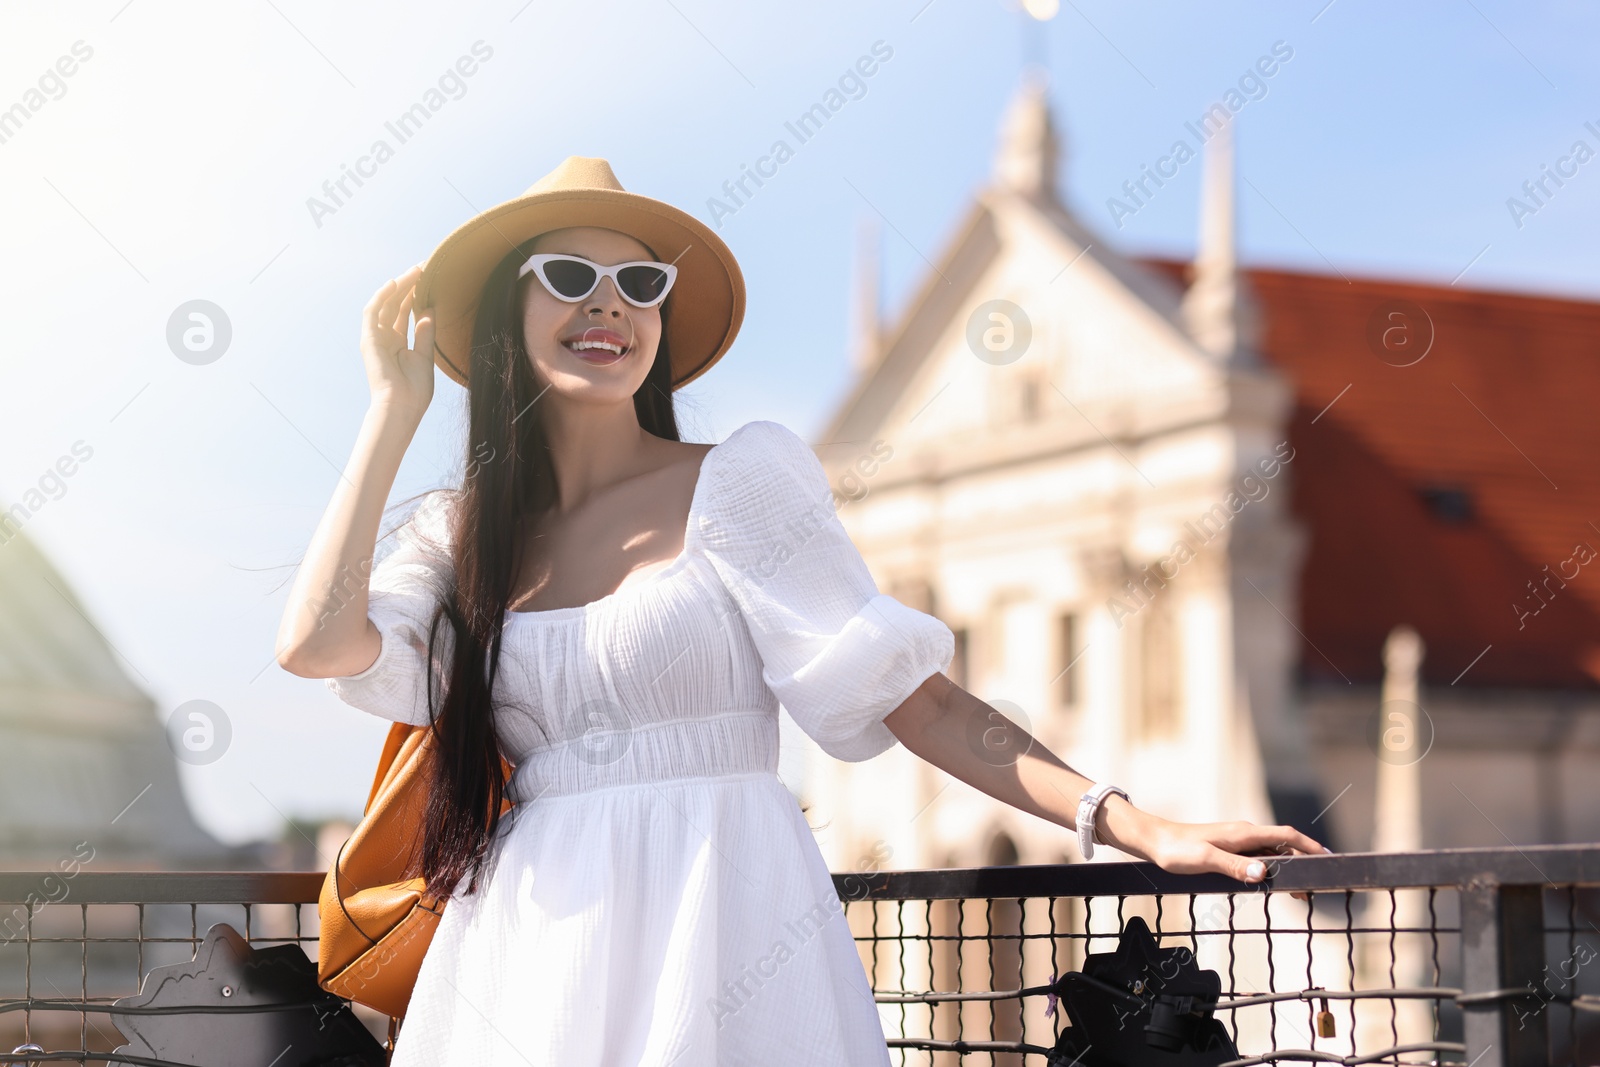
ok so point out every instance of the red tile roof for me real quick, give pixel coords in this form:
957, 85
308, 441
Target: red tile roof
1502, 407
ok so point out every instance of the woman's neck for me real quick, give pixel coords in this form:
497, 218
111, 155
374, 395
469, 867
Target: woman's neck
593, 448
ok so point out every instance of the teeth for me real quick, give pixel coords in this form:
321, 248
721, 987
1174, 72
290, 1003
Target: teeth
580, 346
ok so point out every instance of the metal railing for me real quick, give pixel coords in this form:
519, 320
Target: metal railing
72, 945
1474, 956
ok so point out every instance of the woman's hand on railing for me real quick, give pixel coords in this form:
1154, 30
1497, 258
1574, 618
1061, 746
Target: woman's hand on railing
1241, 850
939, 722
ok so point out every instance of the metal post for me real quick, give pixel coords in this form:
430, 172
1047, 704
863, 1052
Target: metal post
1502, 952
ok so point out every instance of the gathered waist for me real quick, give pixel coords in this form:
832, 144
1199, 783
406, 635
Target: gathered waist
729, 744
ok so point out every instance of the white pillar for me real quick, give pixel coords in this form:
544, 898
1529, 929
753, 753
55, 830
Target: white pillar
1404, 736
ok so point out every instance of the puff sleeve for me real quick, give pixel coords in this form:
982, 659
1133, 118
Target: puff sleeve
403, 592
838, 654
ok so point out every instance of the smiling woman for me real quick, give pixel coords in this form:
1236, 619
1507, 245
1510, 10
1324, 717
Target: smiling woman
618, 615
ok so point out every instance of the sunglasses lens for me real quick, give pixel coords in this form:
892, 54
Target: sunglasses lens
569, 278
643, 284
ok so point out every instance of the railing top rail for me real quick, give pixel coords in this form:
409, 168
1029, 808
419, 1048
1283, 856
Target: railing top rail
1535, 865
161, 887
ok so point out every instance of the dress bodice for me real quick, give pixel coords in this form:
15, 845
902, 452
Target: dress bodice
681, 673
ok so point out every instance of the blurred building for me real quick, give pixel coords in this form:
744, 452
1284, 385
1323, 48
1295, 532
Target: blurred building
89, 779
89, 784
1174, 510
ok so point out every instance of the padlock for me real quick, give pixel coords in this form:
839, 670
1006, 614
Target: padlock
1325, 1026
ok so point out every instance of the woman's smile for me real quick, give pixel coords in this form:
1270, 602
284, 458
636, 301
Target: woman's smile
597, 345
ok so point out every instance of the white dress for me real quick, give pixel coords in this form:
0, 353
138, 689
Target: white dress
656, 897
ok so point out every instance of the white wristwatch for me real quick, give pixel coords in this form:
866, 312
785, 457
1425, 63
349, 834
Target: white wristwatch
1088, 808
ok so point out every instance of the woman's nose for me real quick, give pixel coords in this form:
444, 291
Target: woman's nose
604, 299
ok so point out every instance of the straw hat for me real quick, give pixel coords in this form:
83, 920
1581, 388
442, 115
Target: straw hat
707, 299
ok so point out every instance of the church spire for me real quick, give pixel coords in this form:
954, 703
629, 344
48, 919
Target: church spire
1030, 148
866, 326
1219, 309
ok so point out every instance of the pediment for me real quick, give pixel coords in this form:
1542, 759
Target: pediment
1025, 311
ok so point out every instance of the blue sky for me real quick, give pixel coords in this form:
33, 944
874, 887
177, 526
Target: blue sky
176, 161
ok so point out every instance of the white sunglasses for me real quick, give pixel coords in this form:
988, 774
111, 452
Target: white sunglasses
642, 283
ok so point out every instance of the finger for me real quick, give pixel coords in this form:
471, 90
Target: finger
1293, 842
1279, 839
1241, 868
392, 294
424, 333
405, 281
1307, 844
378, 298
402, 314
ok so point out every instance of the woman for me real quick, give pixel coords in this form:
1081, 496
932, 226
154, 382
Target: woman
638, 606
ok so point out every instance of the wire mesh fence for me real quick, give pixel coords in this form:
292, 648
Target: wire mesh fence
1476, 957
1481, 957
73, 945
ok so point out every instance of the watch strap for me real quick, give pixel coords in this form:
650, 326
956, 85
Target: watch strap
1089, 809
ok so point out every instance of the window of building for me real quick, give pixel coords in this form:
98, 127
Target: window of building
1069, 647
1450, 504
1028, 398
1159, 696
1017, 395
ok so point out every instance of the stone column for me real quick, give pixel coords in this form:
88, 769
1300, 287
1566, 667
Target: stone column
1403, 737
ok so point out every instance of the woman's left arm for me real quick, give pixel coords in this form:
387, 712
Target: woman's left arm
932, 722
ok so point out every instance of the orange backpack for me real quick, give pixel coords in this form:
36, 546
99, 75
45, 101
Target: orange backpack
376, 923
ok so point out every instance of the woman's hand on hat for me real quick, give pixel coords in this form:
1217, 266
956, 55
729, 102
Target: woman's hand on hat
400, 377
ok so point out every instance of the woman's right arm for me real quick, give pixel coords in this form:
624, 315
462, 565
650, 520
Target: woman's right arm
325, 632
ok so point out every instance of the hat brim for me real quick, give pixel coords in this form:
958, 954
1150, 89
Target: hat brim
707, 299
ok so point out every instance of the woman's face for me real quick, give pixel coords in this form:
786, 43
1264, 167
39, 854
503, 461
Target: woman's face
573, 345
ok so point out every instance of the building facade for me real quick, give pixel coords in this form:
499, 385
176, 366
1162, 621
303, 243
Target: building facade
1174, 511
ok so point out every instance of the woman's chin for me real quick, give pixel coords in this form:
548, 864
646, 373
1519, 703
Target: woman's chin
586, 383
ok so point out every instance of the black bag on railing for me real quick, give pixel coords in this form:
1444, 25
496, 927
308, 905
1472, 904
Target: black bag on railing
238, 1006
1141, 1006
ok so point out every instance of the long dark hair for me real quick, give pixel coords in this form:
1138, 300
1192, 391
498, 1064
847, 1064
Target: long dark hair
508, 479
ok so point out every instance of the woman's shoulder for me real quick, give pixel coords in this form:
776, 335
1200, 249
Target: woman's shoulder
764, 470
763, 439
426, 527
435, 510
